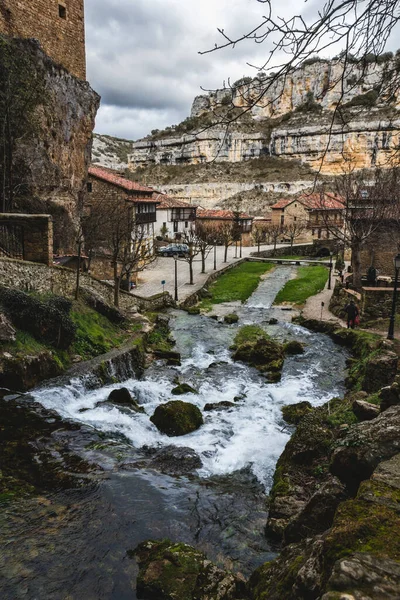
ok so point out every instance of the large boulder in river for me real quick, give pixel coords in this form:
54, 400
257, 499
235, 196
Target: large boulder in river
177, 418
294, 347
169, 571
122, 397
173, 460
183, 388
253, 346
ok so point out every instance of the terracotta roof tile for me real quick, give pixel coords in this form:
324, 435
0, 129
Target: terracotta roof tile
282, 203
116, 179
328, 202
227, 215
164, 201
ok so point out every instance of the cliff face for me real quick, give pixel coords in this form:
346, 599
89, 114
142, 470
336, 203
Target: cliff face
293, 119
56, 156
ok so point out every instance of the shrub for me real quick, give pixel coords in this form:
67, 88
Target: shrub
309, 105
47, 319
368, 99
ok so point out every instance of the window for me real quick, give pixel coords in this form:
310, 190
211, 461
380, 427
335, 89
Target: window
294, 218
89, 186
175, 226
319, 234
282, 219
62, 11
186, 224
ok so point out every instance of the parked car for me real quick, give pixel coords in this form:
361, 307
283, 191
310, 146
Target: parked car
172, 249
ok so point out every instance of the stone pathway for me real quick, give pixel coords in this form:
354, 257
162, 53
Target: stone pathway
313, 308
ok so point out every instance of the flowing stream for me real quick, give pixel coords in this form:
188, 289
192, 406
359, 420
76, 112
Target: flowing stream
74, 544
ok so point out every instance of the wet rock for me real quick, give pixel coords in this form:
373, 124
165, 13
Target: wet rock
168, 354
380, 371
263, 354
23, 372
388, 472
317, 514
294, 347
231, 318
174, 362
390, 396
169, 571
365, 411
293, 413
364, 574
273, 321
183, 388
225, 404
7, 331
177, 418
365, 446
174, 460
193, 310
122, 397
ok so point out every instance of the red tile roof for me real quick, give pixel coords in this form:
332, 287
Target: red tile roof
282, 203
116, 179
165, 202
227, 215
313, 202
327, 202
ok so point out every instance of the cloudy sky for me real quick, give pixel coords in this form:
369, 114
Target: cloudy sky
142, 56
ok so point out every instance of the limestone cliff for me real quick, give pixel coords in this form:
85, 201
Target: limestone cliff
55, 157
292, 118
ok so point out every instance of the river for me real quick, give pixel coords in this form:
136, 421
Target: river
73, 544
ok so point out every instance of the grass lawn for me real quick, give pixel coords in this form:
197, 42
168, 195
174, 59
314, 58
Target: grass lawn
310, 280
237, 284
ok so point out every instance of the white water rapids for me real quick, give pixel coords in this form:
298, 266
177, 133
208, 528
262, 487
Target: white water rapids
252, 433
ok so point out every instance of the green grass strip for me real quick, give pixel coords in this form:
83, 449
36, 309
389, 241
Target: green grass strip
237, 284
309, 281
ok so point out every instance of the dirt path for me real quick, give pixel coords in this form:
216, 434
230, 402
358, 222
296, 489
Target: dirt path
313, 308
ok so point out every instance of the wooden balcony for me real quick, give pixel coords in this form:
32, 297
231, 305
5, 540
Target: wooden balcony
143, 218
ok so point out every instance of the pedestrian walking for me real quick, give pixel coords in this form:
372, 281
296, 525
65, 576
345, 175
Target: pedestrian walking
353, 314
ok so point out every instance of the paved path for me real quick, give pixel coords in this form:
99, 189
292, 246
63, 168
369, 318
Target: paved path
313, 306
163, 269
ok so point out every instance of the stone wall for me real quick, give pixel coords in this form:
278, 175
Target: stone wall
376, 303
37, 235
55, 156
380, 250
61, 281
302, 250
57, 24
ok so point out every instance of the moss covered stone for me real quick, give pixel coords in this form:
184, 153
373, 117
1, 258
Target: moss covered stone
293, 413
177, 418
183, 388
231, 318
253, 346
170, 571
294, 347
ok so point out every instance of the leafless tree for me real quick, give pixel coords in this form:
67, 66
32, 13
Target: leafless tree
294, 230
207, 238
275, 232
367, 203
192, 240
227, 234
260, 234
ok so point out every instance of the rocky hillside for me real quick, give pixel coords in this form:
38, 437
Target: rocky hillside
287, 131
111, 152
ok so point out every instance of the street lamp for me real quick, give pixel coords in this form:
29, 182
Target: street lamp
330, 270
396, 261
176, 277
215, 255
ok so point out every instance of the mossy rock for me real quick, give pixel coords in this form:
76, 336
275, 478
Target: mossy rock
177, 571
264, 354
122, 397
293, 413
177, 418
183, 388
231, 318
193, 310
294, 347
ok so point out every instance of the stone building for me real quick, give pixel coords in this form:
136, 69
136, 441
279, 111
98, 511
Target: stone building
380, 249
319, 216
57, 24
110, 195
217, 218
174, 217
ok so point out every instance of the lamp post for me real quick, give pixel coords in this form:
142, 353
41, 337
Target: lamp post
396, 261
215, 255
330, 271
176, 277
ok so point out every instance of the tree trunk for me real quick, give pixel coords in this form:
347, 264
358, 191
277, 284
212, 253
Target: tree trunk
226, 254
291, 246
356, 264
191, 272
117, 283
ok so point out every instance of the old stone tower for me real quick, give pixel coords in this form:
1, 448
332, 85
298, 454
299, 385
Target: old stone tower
57, 24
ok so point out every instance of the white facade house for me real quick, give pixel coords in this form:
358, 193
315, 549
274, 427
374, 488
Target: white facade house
174, 217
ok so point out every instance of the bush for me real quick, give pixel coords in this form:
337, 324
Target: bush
309, 105
48, 319
368, 99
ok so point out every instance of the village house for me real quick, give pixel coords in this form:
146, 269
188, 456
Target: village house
217, 218
315, 214
174, 217
113, 196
